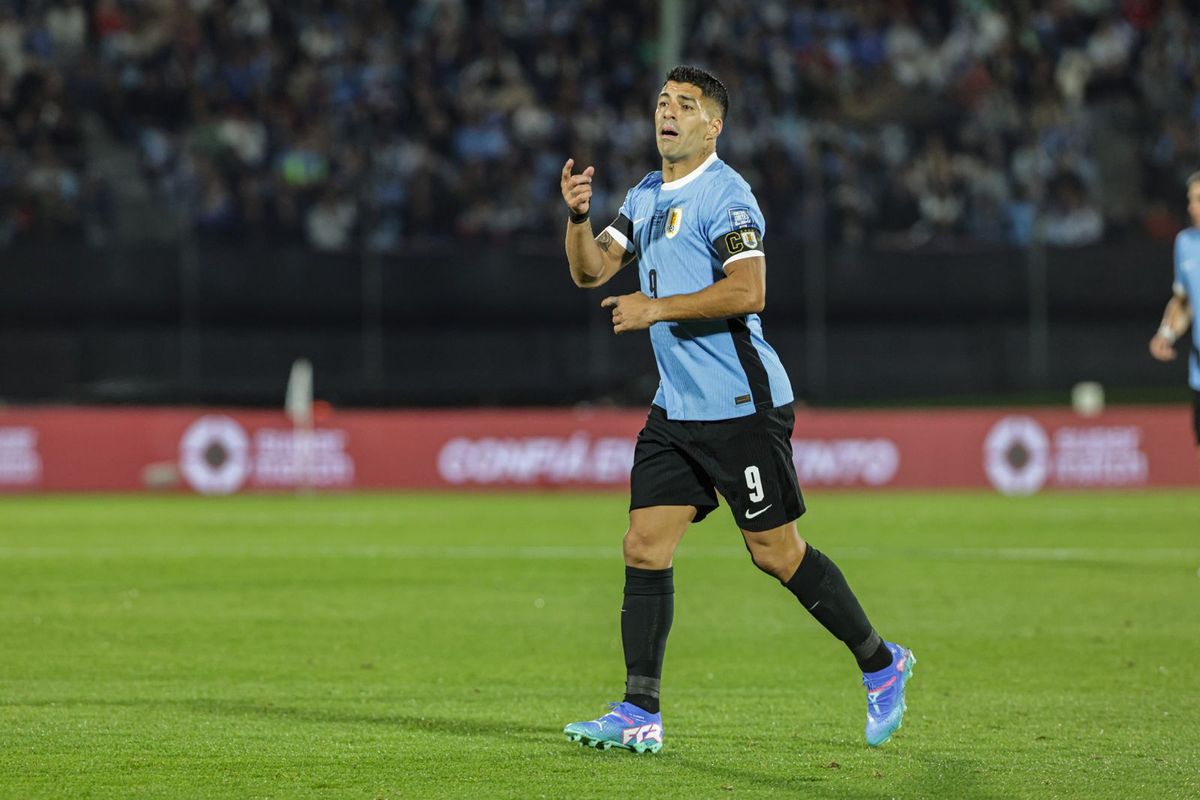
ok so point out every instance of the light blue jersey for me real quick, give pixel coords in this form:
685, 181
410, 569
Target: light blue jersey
685, 233
1187, 284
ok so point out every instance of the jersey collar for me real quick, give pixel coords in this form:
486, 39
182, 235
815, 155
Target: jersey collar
679, 183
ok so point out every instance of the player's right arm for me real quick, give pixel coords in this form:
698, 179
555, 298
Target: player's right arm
593, 259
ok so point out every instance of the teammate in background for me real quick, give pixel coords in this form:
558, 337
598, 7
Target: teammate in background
722, 418
1177, 316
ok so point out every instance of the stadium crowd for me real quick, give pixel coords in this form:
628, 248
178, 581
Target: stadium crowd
352, 123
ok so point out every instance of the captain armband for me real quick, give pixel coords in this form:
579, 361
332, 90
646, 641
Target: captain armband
738, 244
621, 232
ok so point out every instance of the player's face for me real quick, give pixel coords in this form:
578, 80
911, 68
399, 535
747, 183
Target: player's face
681, 123
1194, 204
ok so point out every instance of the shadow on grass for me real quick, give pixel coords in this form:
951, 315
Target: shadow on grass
741, 777
242, 708
954, 776
424, 724
935, 777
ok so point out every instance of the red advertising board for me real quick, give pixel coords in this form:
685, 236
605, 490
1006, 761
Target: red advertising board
1015, 451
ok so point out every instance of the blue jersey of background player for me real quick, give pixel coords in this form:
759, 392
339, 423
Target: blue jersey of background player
721, 421
1178, 314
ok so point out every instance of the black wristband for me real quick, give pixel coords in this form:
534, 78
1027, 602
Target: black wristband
578, 218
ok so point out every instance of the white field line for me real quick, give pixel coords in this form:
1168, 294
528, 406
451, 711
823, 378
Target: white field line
1139, 555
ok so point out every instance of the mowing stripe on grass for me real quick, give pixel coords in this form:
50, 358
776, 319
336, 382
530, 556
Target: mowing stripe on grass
1141, 555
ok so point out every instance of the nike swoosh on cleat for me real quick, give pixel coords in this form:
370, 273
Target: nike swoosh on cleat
756, 513
889, 682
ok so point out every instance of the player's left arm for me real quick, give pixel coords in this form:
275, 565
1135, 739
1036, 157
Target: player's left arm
742, 291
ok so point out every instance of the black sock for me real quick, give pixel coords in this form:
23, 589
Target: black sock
822, 589
646, 618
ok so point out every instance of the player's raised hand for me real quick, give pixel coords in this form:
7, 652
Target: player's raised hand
1162, 348
577, 189
630, 312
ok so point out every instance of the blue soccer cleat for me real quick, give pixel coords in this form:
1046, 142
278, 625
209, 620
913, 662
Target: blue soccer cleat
625, 726
885, 695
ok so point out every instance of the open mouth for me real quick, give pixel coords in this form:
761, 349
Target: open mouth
669, 133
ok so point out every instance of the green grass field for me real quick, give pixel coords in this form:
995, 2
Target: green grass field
422, 646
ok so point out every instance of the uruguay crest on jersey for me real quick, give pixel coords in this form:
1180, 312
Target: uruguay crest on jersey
674, 218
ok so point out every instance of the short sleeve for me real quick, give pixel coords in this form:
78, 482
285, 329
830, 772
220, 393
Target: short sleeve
734, 224
1180, 288
621, 228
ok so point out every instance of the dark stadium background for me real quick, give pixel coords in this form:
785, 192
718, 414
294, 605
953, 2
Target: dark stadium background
963, 200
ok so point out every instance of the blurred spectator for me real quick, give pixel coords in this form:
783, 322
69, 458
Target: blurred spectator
330, 222
1070, 220
367, 121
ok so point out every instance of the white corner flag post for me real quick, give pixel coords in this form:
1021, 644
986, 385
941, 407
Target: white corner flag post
299, 407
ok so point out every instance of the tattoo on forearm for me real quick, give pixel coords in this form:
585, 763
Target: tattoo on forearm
604, 241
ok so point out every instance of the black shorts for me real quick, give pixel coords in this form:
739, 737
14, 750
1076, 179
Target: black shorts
748, 460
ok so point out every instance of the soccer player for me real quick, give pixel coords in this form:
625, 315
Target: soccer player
722, 418
1177, 316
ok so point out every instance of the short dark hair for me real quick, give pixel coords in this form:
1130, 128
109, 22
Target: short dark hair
708, 83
